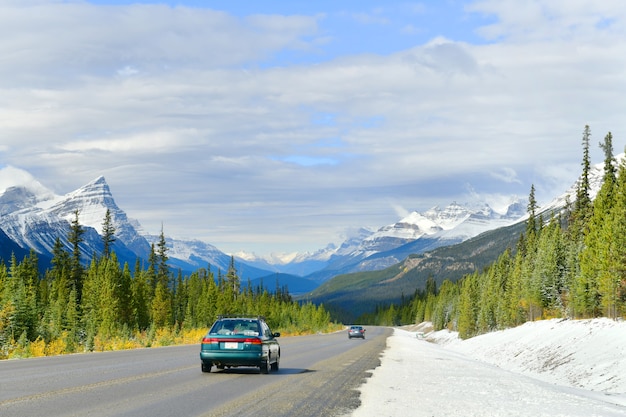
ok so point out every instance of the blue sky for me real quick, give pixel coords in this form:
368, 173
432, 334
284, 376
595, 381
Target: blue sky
354, 27
280, 126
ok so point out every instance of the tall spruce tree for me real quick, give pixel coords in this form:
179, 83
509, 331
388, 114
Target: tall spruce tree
108, 234
151, 272
75, 238
609, 164
163, 271
232, 278
608, 275
578, 224
583, 205
469, 306
596, 253
531, 209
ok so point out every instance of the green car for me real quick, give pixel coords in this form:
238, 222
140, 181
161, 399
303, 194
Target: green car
240, 341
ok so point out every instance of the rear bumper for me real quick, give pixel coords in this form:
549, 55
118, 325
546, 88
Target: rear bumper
233, 358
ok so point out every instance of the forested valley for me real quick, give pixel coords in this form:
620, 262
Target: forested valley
569, 265
106, 306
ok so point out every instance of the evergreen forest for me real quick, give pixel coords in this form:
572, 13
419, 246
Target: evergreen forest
105, 306
566, 264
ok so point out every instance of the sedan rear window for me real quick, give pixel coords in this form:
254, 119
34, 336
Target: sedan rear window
230, 327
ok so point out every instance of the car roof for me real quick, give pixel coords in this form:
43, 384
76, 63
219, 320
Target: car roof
237, 317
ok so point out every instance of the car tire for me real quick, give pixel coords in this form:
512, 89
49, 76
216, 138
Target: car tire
276, 365
265, 367
206, 368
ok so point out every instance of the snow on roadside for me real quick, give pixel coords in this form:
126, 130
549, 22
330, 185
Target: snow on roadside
588, 354
540, 369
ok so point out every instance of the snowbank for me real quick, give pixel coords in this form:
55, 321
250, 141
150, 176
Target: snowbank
588, 354
545, 368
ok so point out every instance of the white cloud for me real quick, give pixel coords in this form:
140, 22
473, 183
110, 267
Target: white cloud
72, 40
538, 20
144, 142
205, 105
401, 211
507, 175
11, 177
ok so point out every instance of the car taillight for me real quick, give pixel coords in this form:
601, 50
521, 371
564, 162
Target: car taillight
249, 340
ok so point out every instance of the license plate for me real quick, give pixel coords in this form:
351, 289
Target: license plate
231, 345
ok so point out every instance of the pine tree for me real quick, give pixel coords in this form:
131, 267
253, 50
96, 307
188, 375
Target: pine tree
612, 280
108, 234
583, 204
596, 254
75, 238
142, 291
180, 300
59, 281
516, 313
19, 297
123, 293
163, 270
430, 286
161, 307
609, 163
151, 273
468, 306
549, 268
445, 312
531, 209
578, 225
232, 279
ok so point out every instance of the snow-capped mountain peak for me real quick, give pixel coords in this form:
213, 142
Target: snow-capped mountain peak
436, 220
34, 217
454, 222
450, 217
91, 201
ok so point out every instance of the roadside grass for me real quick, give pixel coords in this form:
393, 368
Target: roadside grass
22, 348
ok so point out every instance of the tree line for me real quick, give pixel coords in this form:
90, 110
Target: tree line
101, 305
571, 265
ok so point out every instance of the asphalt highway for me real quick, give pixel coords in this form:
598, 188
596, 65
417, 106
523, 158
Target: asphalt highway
318, 375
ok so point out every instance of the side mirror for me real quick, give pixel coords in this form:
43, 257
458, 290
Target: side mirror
276, 335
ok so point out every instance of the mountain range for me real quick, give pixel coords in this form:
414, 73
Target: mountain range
351, 294
370, 268
33, 217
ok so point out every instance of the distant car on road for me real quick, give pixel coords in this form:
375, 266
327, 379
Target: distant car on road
236, 341
356, 331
